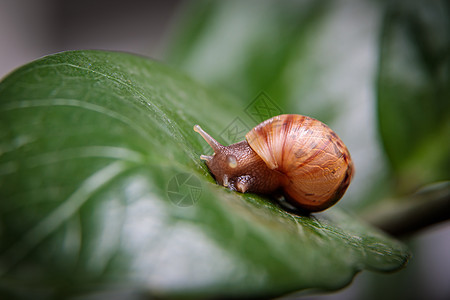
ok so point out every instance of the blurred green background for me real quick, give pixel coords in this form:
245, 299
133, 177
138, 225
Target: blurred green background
377, 72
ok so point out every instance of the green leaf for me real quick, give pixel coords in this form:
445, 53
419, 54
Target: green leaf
102, 192
414, 91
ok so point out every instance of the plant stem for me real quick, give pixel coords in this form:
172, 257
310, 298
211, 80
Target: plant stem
403, 217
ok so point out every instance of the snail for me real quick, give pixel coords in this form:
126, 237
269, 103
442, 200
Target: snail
294, 156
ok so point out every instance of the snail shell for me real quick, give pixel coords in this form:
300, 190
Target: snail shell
293, 155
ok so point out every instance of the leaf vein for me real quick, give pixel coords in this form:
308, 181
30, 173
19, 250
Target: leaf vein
60, 214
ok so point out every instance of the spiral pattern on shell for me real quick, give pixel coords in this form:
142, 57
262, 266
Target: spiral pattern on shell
316, 163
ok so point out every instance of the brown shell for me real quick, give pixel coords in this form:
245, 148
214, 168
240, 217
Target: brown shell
316, 163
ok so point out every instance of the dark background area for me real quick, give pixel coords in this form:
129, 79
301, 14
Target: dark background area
31, 29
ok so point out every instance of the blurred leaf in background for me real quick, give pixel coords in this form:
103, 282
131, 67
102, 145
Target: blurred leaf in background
414, 92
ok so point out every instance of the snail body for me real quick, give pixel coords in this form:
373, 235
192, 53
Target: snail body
293, 155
